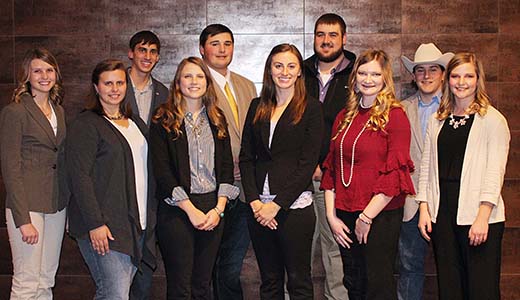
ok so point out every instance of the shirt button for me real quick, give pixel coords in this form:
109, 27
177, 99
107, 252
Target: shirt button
54, 166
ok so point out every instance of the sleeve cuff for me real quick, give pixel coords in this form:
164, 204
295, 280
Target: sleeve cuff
228, 190
178, 194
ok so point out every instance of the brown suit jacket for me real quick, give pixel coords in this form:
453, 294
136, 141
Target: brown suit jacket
245, 91
32, 160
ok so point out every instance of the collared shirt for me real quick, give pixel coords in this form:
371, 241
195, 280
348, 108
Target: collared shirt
201, 151
324, 86
426, 110
143, 98
222, 80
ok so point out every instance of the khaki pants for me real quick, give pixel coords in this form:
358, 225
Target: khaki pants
34, 266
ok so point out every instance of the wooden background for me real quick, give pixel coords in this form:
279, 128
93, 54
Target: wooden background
82, 32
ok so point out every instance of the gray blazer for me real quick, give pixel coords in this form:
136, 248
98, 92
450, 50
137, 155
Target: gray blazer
411, 107
159, 96
32, 158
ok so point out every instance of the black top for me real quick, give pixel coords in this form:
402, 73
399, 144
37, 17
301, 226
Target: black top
336, 97
451, 147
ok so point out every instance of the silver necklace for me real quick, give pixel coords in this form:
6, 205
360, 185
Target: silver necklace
456, 124
346, 185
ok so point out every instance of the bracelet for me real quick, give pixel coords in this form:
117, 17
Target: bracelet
368, 223
219, 213
369, 218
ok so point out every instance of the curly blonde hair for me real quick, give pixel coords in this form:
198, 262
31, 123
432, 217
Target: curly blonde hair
24, 86
385, 99
171, 114
481, 101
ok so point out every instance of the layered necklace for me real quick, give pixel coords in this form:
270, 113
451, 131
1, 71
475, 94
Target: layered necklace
342, 172
457, 123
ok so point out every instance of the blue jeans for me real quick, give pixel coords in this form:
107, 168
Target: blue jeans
233, 248
412, 250
112, 272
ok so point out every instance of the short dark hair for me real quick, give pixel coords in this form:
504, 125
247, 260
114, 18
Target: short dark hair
145, 37
331, 19
212, 30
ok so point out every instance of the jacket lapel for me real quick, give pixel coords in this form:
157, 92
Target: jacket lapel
40, 118
473, 139
60, 116
413, 116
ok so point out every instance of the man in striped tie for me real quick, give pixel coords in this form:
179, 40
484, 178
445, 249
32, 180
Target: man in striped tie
234, 93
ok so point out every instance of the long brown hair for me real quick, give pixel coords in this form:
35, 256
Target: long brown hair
171, 114
268, 93
24, 86
481, 101
385, 99
93, 101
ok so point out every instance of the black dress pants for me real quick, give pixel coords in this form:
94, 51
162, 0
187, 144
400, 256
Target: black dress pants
464, 272
286, 249
368, 269
188, 253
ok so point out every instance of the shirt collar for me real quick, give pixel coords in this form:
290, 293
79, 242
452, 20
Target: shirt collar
338, 68
219, 78
435, 100
146, 87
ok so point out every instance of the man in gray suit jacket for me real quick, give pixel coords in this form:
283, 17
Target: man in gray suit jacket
427, 70
234, 94
145, 94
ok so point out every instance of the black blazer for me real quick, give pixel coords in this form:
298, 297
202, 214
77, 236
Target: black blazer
33, 160
99, 161
290, 161
171, 160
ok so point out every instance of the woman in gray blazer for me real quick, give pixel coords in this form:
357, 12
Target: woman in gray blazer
32, 134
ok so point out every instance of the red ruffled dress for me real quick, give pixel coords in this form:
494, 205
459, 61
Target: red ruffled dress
382, 162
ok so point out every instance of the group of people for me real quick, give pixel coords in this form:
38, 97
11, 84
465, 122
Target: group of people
325, 153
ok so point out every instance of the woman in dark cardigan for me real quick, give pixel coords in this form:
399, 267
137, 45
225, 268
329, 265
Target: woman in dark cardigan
192, 159
112, 211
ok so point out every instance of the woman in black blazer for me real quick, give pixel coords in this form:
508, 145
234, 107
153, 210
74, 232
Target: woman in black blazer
192, 159
112, 210
280, 147
32, 134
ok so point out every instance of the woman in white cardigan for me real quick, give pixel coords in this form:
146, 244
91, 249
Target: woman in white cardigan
461, 176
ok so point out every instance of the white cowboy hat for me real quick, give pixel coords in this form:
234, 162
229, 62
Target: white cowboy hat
427, 54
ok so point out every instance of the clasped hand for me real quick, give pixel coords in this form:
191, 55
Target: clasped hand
265, 213
204, 221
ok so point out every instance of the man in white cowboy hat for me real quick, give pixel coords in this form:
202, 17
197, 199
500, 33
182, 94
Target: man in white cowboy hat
427, 70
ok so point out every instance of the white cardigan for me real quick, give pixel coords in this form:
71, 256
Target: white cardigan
482, 170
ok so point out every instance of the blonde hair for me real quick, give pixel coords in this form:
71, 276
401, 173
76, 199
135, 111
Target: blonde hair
480, 103
171, 114
24, 86
385, 99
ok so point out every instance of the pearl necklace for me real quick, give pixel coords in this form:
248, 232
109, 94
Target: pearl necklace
455, 124
346, 185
